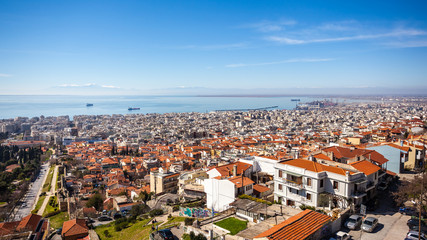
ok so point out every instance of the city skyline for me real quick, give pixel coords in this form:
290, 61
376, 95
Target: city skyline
221, 47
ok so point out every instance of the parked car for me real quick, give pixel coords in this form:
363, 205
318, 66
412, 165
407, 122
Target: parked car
413, 235
413, 224
104, 219
340, 235
369, 224
117, 215
89, 220
353, 222
407, 211
164, 234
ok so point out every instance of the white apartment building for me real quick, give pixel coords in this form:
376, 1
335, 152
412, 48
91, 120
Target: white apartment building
221, 192
301, 181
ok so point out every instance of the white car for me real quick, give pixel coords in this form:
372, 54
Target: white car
340, 235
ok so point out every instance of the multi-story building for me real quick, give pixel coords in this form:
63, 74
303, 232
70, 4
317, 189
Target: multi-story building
162, 181
301, 181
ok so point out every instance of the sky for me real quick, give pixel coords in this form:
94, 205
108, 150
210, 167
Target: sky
212, 47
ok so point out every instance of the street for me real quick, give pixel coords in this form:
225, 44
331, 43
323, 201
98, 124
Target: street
29, 199
391, 224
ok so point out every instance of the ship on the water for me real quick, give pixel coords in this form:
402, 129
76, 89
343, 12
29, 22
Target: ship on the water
295, 100
133, 108
89, 104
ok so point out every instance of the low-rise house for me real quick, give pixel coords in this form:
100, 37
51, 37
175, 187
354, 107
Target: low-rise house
305, 225
397, 156
32, 226
75, 229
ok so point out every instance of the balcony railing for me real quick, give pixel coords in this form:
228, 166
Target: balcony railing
358, 194
370, 185
293, 183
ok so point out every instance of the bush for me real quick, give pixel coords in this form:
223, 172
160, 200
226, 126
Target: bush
189, 221
156, 212
170, 216
118, 228
304, 207
107, 233
175, 208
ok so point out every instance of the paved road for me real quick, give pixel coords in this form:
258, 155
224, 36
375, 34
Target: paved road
30, 198
392, 224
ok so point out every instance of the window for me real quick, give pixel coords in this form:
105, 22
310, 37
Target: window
321, 183
308, 181
308, 196
280, 187
280, 173
335, 185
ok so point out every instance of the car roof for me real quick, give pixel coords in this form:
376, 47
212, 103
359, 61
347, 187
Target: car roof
371, 218
354, 216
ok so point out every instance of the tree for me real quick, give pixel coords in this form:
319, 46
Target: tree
412, 190
96, 201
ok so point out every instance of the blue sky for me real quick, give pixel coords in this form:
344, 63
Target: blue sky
168, 47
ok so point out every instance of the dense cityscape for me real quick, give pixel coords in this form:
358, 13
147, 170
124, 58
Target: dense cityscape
260, 174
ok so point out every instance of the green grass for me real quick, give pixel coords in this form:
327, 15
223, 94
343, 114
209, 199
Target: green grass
135, 231
175, 220
38, 204
232, 224
57, 220
1, 203
51, 208
47, 183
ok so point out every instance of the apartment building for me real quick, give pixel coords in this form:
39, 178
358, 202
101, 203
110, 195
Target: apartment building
301, 181
162, 181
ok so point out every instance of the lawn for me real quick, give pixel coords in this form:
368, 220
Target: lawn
133, 232
39, 204
57, 220
232, 224
46, 185
52, 205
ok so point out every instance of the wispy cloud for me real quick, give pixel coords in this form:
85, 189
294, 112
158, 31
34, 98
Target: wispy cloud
407, 44
78, 85
5, 75
340, 26
396, 34
302, 60
217, 46
87, 85
109, 86
270, 26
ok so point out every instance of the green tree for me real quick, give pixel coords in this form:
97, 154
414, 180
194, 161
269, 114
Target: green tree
95, 201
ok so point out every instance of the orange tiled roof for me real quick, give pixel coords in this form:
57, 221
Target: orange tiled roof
260, 188
315, 166
366, 167
29, 222
227, 170
297, 227
74, 227
238, 181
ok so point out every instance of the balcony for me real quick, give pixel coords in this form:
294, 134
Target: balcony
370, 186
293, 184
358, 194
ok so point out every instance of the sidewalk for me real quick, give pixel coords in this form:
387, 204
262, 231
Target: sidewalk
50, 193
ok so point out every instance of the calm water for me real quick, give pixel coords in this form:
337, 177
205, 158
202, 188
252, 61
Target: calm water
31, 106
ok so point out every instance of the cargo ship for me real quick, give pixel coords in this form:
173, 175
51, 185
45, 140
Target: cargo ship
295, 100
89, 104
133, 108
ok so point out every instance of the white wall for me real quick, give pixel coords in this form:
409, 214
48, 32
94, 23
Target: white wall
219, 193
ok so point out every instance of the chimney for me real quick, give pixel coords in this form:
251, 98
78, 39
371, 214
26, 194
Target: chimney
234, 170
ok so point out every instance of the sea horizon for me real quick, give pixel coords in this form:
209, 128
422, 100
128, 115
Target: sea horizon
12, 106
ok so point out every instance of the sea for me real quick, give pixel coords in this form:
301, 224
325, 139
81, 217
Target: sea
12, 106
